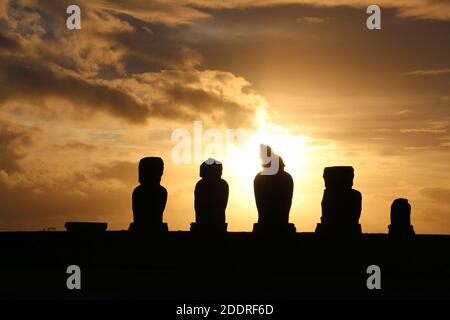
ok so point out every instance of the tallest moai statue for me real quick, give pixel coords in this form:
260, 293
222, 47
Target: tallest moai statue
273, 188
341, 204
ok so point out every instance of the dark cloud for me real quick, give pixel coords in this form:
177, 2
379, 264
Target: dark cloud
156, 48
14, 139
9, 43
337, 58
87, 68
30, 81
196, 102
123, 171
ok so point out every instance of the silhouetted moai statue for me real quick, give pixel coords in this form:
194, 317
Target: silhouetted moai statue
341, 205
211, 198
149, 198
273, 189
401, 219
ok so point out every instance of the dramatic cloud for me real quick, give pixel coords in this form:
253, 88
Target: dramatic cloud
425, 9
217, 96
105, 68
167, 94
29, 80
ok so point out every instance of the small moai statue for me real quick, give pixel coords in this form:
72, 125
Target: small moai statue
400, 226
149, 198
341, 204
273, 195
211, 198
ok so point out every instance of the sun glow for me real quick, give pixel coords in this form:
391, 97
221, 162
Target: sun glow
243, 161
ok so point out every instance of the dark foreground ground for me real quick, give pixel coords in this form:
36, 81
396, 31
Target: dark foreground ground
179, 265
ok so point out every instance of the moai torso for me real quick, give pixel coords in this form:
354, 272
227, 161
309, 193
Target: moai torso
273, 195
341, 205
149, 202
211, 195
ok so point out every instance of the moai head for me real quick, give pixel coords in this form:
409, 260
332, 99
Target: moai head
150, 170
338, 178
270, 160
211, 169
401, 212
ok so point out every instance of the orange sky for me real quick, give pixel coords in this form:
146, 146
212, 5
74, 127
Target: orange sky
79, 108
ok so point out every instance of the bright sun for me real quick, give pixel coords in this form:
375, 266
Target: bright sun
243, 161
